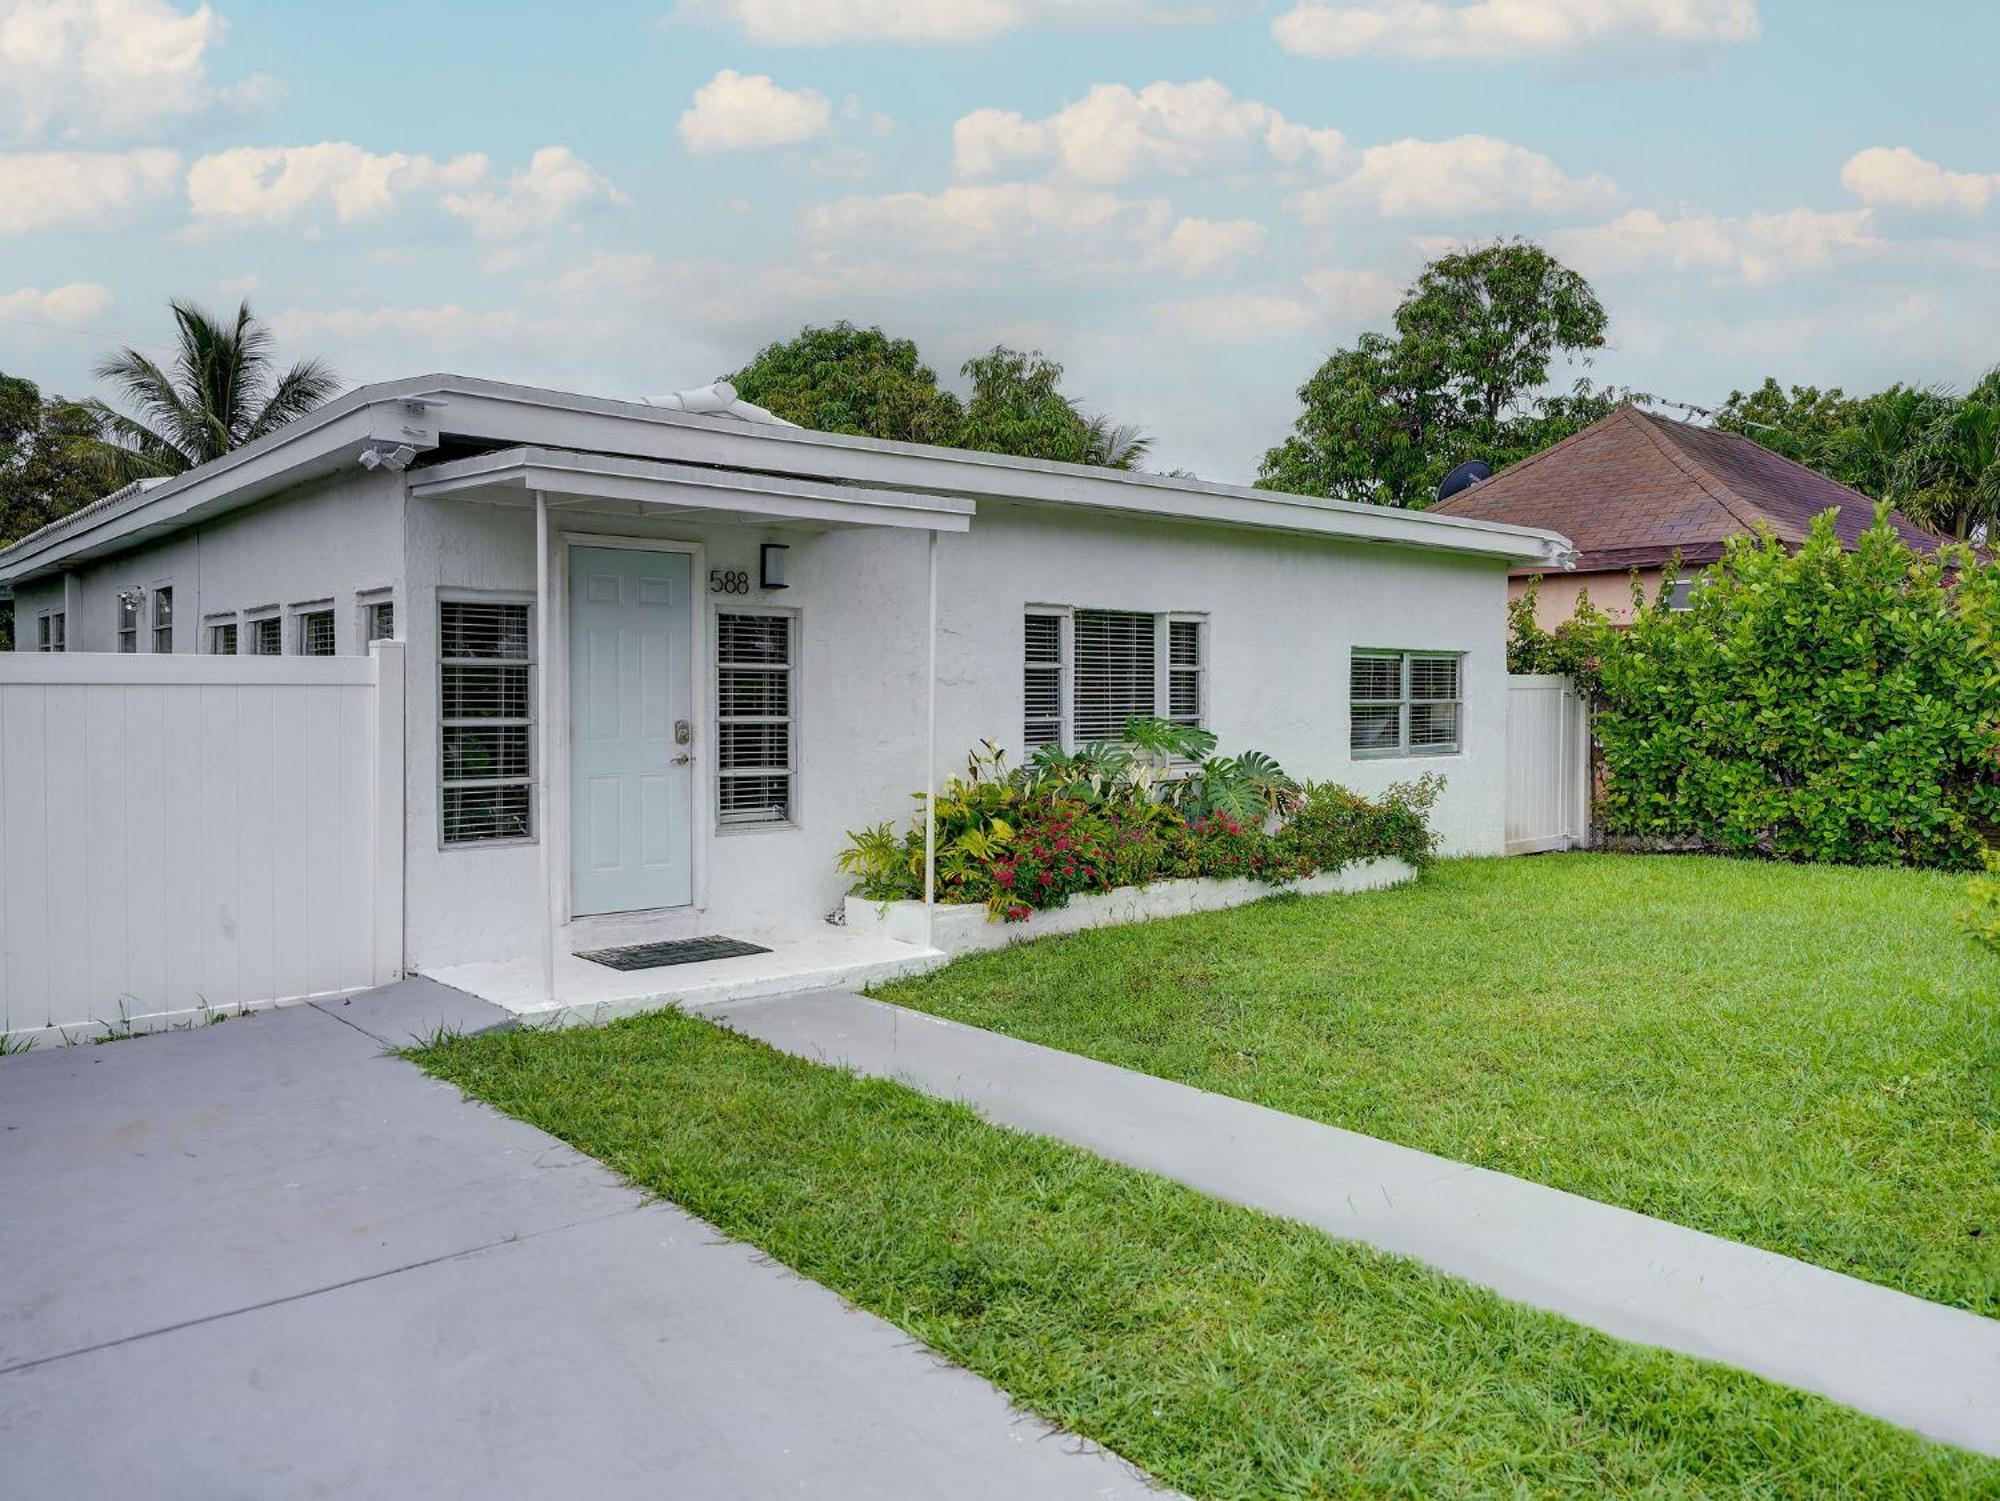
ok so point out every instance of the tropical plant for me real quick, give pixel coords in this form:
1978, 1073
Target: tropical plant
1819, 703
51, 459
219, 392
1948, 479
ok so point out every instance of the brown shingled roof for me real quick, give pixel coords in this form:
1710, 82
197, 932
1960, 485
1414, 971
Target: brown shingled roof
1634, 489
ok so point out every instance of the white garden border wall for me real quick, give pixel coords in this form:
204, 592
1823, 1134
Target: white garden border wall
971, 929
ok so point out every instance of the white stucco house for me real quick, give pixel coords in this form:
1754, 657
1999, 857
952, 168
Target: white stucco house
661, 659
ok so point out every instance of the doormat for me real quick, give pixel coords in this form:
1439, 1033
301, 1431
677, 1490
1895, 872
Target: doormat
680, 951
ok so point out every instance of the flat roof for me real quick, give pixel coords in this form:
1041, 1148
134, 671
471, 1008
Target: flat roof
426, 410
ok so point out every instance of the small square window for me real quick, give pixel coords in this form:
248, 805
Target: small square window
267, 636
51, 631
1403, 703
315, 628
222, 638
378, 620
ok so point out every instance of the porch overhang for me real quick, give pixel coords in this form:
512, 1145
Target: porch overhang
650, 486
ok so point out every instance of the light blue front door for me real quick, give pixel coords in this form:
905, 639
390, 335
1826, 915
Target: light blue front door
631, 722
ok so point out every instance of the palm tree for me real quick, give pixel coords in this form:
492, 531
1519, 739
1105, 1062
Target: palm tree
1114, 445
221, 394
1949, 481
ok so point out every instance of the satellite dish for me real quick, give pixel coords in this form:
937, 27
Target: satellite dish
1464, 477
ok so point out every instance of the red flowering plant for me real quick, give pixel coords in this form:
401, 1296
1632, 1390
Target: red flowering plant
1060, 847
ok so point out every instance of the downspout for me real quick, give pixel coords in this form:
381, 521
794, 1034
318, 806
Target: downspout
930, 748
542, 698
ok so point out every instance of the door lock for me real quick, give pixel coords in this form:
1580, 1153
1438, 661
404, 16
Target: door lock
683, 733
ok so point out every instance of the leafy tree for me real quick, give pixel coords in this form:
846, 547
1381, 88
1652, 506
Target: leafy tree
845, 379
1800, 422
50, 459
220, 393
1948, 479
1463, 376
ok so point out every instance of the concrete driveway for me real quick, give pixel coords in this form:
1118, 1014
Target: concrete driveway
263, 1259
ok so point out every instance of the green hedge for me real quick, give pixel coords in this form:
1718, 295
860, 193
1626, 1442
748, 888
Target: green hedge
1812, 704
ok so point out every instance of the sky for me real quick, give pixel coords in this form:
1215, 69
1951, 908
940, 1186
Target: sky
1186, 202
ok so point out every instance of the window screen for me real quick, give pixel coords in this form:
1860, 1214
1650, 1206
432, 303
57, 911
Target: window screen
755, 717
316, 633
486, 722
1405, 703
1042, 681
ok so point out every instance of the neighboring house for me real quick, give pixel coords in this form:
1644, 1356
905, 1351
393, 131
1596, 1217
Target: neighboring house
660, 661
1634, 490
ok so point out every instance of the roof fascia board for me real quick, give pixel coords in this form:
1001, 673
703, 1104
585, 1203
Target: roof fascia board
494, 413
607, 477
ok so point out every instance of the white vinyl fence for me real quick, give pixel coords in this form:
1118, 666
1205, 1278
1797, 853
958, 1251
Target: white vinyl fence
184, 835
1548, 765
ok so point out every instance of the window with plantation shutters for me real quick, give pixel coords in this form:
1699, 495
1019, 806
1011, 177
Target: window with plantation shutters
1086, 673
756, 710
1403, 703
1042, 680
485, 722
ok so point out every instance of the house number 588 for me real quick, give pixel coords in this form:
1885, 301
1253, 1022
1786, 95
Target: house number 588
728, 581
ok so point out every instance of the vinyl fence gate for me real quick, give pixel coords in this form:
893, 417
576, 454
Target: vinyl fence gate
1548, 765
185, 835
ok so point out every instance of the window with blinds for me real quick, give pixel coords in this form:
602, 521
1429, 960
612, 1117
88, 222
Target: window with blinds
1085, 673
315, 628
485, 722
1042, 681
1405, 703
163, 619
756, 715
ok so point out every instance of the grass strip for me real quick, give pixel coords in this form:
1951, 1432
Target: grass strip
1228, 1353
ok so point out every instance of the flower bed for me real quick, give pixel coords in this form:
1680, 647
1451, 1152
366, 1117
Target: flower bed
1157, 809
964, 930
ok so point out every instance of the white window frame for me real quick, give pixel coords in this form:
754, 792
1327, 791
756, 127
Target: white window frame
718, 720
163, 591
52, 631
1163, 668
1403, 702
211, 624
125, 634
254, 622
526, 603
313, 610
366, 606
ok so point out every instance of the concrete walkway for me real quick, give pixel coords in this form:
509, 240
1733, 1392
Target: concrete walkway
263, 1259
1931, 1368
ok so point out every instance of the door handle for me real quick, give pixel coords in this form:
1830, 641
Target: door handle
682, 759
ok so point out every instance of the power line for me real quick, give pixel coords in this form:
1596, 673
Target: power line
84, 333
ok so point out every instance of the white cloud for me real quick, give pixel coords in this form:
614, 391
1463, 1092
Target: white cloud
42, 189
279, 185
1336, 297
735, 112
1015, 223
105, 67
554, 185
1200, 246
70, 306
1453, 179
1353, 295
1896, 177
1544, 29
819, 23
1114, 134
1757, 249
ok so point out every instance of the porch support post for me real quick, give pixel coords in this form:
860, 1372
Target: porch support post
930, 746
543, 698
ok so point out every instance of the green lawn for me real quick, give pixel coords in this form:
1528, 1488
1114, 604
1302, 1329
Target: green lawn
1229, 1354
1804, 1058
